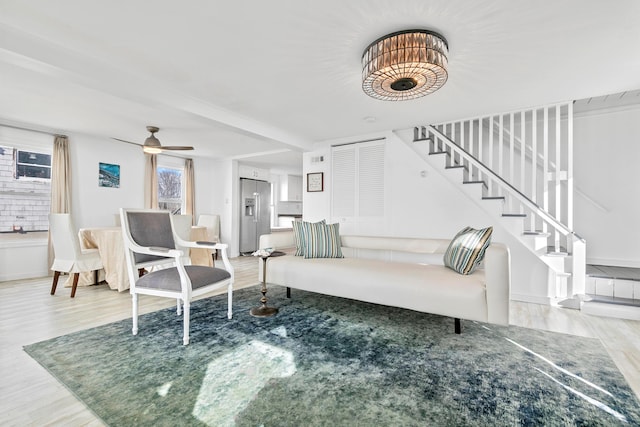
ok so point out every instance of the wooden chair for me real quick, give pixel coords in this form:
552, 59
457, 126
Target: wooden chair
212, 224
70, 257
150, 240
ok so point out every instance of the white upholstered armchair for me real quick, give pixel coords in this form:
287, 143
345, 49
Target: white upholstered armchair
151, 242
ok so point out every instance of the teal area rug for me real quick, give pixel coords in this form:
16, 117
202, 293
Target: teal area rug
325, 361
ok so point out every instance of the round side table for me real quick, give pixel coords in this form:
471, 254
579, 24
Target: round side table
264, 310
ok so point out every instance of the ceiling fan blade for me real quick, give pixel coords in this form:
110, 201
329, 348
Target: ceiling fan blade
177, 147
128, 142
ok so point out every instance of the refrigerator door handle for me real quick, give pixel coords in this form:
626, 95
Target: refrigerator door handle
257, 213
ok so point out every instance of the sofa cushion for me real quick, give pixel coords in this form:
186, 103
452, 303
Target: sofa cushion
321, 240
466, 250
298, 237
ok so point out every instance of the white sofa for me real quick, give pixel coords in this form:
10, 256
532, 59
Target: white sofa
400, 272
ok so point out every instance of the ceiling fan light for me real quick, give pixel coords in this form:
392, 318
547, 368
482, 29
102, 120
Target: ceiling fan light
151, 150
405, 65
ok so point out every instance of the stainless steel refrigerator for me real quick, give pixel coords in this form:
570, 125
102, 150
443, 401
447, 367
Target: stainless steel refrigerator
255, 215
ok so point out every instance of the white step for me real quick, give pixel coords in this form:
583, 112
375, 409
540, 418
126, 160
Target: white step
611, 310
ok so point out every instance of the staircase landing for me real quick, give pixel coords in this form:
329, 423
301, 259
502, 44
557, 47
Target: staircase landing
613, 291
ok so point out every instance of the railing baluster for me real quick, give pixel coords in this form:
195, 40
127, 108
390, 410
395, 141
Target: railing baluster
511, 153
474, 171
523, 151
534, 162
545, 164
558, 168
500, 148
570, 165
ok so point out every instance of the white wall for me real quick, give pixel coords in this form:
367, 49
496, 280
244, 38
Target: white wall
607, 203
94, 206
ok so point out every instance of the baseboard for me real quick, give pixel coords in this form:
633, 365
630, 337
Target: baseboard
23, 276
534, 299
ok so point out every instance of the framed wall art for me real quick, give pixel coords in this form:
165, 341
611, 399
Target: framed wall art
108, 175
315, 182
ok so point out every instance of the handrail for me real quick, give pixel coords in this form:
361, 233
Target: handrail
511, 189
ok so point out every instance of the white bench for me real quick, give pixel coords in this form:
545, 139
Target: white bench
399, 272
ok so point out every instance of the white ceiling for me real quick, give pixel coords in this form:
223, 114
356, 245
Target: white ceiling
263, 80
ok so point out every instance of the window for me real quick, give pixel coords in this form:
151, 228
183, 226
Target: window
170, 189
32, 165
25, 183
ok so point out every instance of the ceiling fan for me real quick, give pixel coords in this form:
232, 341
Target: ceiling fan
152, 144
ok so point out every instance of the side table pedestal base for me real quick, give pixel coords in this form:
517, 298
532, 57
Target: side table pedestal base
263, 311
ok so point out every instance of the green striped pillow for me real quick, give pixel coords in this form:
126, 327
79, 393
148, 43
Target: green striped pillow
297, 236
466, 250
321, 240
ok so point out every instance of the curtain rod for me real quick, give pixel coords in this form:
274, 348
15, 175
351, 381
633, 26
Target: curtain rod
31, 130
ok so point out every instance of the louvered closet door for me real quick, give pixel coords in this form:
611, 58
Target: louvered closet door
358, 187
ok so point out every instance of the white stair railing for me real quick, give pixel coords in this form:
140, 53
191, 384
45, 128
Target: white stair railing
479, 172
524, 158
532, 150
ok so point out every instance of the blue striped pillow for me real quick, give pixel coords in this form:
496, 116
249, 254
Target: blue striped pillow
297, 236
466, 250
321, 240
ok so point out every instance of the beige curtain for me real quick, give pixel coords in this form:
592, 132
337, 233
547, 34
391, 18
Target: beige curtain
60, 181
190, 199
151, 181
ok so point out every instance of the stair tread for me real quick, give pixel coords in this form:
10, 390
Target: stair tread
515, 215
563, 274
473, 182
437, 152
558, 254
493, 198
536, 233
454, 167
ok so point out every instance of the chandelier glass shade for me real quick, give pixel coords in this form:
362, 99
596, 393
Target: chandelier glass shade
405, 65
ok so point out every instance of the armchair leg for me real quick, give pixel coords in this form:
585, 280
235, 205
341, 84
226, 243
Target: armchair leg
458, 326
229, 301
76, 276
56, 276
134, 306
185, 321
95, 277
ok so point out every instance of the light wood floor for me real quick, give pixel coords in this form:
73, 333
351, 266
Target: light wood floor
29, 396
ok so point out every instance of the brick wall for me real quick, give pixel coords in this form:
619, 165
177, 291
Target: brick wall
23, 202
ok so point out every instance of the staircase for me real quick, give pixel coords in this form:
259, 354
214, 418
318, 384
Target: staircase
518, 167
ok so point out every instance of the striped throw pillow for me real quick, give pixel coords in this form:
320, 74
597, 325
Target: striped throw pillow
466, 250
297, 235
321, 240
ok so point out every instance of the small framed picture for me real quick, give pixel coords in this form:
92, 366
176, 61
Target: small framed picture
108, 175
315, 181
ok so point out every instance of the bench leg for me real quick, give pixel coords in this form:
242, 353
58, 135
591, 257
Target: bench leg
458, 326
288, 292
